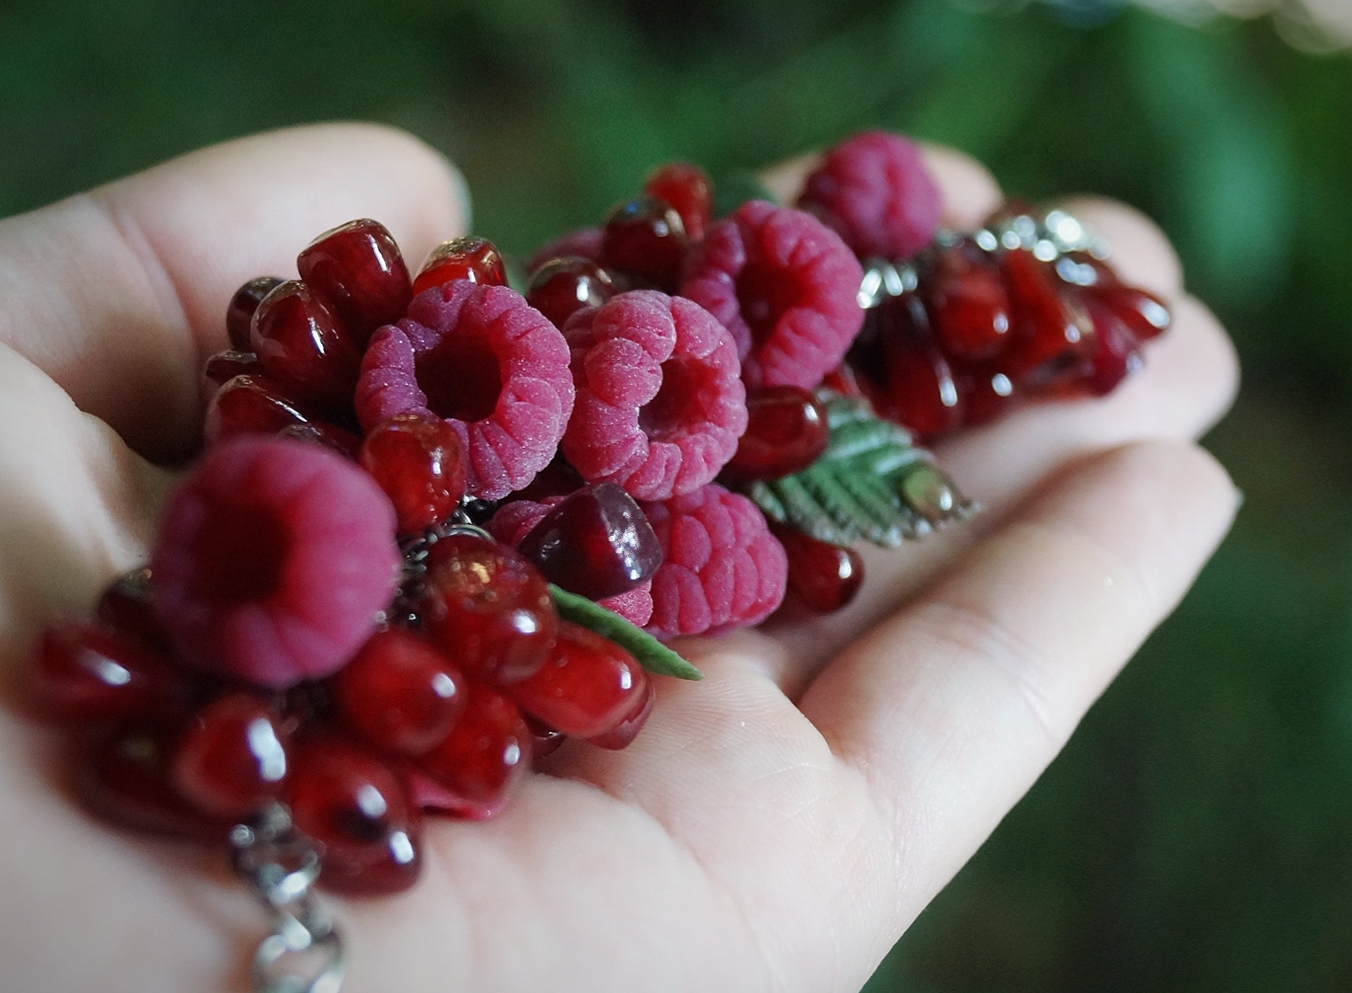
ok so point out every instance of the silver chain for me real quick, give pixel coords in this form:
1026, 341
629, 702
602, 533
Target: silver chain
304, 952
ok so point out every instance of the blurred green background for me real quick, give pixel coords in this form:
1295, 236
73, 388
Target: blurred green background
1195, 834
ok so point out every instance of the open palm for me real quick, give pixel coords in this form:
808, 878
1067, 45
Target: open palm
774, 827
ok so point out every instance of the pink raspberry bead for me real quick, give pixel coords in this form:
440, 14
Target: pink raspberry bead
489, 364
874, 190
723, 569
660, 405
273, 559
786, 288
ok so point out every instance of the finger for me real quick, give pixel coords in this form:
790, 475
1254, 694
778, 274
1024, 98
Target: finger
955, 705
119, 294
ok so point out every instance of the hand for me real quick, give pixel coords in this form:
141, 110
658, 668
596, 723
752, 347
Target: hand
776, 826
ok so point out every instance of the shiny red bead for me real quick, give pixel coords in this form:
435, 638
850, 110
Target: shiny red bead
824, 577
918, 386
688, 190
967, 302
623, 733
586, 687
563, 286
475, 259
329, 436
358, 270
400, 693
222, 367
239, 313
1144, 314
645, 237
249, 404
786, 432
1052, 337
125, 606
303, 347
419, 463
1117, 351
987, 393
231, 758
473, 771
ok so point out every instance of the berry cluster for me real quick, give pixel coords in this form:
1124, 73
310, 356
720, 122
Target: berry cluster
434, 513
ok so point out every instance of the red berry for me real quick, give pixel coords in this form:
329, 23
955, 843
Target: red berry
586, 687
487, 607
83, 672
301, 344
475, 259
223, 367
474, 769
627, 730
1052, 337
419, 463
596, 543
358, 270
563, 286
401, 693
688, 190
786, 431
967, 303
239, 314
249, 404
646, 237
358, 808
231, 758
823, 576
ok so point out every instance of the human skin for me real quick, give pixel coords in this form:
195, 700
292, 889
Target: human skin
776, 826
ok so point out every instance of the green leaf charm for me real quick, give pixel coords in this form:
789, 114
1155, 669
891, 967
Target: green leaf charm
651, 653
871, 482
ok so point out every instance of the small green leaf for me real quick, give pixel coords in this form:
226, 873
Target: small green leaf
651, 653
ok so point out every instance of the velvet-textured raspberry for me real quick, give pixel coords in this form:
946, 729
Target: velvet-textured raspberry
659, 403
723, 569
785, 287
490, 365
874, 190
273, 559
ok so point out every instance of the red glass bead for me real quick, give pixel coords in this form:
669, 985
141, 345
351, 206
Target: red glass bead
564, 285
301, 345
222, 367
544, 740
487, 608
330, 436
986, 392
596, 543
419, 463
359, 809
473, 771
645, 236
475, 259
1144, 314
623, 733
586, 687
823, 576
967, 303
231, 758
400, 693
1117, 352
125, 606
786, 432
239, 313
688, 190
917, 381
83, 672
249, 405
1052, 337
358, 269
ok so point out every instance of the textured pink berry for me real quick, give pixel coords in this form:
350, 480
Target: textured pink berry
875, 192
659, 403
488, 363
273, 560
723, 569
785, 286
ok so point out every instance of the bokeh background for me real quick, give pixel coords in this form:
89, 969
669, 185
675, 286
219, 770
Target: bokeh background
1194, 836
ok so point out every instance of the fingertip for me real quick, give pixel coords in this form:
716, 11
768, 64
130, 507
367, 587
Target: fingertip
970, 192
1141, 253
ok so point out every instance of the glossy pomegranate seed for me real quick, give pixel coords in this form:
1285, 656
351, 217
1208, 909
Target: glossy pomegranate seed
330, 436
358, 808
1051, 340
82, 672
474, 769
125, 606
249, 405
239, 313
627, 730
222, 367
644, 236
358, 270
918, 384
487, 607
419, 463
475, 259
967, 303
786, 432
301, 344
1117, 352
125, 779
565, 285
596, 543
586, 687
231, 758
544, 740
824, 577
400, 693
688, 190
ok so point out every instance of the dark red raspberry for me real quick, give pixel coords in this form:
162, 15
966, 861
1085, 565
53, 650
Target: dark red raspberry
273, 560
786, 432
239, 313
722, 567
358, 269
786, 288
231, 758
874, 190
486, 362
418, 462
688, 190
303, 347
472, 772
659, 403
475, 259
